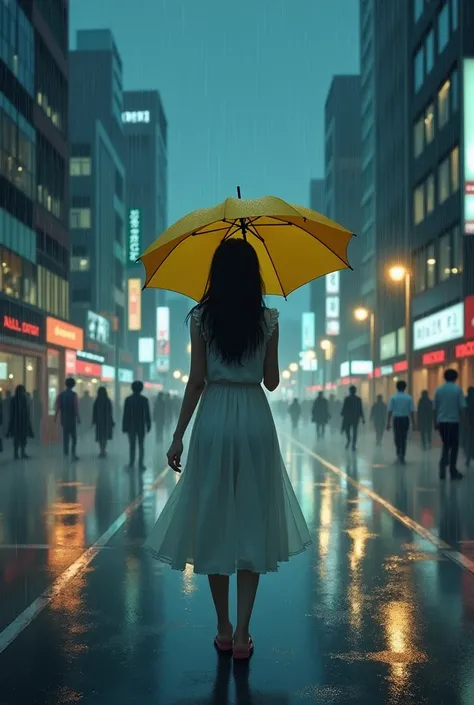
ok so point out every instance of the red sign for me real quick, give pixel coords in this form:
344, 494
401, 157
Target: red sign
465, 350
434, 358
14, 324
378, 373
88, 369
71, 362
469, 317
401, 366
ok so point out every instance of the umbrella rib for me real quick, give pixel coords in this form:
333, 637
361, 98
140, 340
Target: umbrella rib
274, 268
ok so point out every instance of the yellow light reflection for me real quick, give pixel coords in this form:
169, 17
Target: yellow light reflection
189, 580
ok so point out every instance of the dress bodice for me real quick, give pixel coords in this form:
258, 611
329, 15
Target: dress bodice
251, 369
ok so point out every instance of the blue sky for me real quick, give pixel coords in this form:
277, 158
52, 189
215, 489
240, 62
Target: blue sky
243, 84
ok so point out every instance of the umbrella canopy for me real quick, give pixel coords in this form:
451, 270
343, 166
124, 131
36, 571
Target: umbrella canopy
294, 245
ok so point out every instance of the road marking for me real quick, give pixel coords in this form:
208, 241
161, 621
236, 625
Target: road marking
442, 546
20, 623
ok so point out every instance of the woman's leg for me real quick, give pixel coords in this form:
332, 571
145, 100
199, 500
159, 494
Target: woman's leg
247, 584
219, 585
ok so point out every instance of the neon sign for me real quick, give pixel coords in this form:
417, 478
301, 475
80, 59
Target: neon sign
17, 326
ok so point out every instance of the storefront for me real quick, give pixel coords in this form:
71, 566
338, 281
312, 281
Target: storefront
436, 343
63, 340
387, 376
23, 356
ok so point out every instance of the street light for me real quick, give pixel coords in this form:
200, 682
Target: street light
362, 314
188, 348
293, 367
286, 374
185, 379
177, 374
400, 273
326, 345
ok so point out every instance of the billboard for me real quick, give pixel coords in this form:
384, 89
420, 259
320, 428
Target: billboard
146, 350
98, 328
134, 239
134, 304
163, 339
439, 328
468, 146
308, 323
333, 286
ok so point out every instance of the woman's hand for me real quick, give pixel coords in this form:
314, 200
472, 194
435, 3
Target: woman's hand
174, 454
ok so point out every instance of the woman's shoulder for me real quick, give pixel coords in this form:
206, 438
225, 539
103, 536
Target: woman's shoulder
271, 316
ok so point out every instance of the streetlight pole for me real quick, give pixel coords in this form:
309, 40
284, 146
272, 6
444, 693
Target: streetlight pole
372, 355
408, 331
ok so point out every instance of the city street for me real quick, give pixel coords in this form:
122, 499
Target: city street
379, 610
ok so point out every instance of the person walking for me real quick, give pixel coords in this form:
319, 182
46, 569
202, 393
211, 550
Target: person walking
294, 411
136, 423
469, 427
352, 414
103, 420
378, 416
449, 412
159, 416
234, 509
19, 424
67, 408
320, 414
425, 419
401, 409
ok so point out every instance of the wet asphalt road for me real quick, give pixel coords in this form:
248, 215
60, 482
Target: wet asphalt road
379, 610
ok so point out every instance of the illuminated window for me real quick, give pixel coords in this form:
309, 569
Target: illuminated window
457, 245
419, 68
80, 166
454, 164
80, 264
80, 218
443, 28
443, 180
430, 266
418, 136
418, 204
445, 257
443, 104
430, 194
429, 48
429, 124
10, 276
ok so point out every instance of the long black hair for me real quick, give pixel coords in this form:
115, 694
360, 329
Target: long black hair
232, 307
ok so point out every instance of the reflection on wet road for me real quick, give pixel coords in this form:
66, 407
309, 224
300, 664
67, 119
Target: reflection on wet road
375, 612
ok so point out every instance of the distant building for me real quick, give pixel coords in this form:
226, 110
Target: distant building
145, 129
318, 286
97, 213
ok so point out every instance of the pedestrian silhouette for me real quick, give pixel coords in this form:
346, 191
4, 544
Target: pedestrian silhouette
136, 423
294, 411
401, 409
19, 425
425, 419
449, 409
103, 420
320, 414
378, 416
352, 414
67, 408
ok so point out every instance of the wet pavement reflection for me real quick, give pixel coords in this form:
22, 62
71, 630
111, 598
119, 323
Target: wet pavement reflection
374, 612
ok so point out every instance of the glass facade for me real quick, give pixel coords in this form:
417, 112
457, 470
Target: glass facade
18, 369
53, 293
17, 44
17, 277
17, 148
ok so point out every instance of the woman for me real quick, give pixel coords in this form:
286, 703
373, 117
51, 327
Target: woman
103, 420
234, 508
19, 427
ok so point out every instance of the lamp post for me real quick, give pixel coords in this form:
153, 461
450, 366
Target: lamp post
400, 273
326, 347
362, 314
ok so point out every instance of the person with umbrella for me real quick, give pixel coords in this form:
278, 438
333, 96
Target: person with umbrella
234, 509
19, 426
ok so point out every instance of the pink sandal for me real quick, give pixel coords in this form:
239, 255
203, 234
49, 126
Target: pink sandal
243, 652
223, 644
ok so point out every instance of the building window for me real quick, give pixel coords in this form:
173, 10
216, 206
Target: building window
80, 218
430, 194
419, 68
417, 9
10, 274
18, 151
420, 267
429, 51
418, 204
53, 293
443, 28
29, 283
454, 162
457, 244
430, 266
454, 14
418, 136
445, 257
443, 180
17, 48
80, 166
443, 104
429, 124
80, 264
454, 90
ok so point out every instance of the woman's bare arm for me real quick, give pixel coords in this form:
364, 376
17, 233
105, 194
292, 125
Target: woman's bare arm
196, 382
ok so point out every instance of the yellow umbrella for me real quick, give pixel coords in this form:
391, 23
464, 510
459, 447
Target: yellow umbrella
294, 245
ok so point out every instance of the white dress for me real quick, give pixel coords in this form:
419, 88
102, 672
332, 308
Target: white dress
234, 507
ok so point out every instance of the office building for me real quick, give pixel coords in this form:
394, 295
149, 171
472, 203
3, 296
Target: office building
34, 240
317, 288
145, 129
441, 178
97, 216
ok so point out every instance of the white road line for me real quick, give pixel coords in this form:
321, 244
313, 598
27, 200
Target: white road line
20, 623
442, 546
